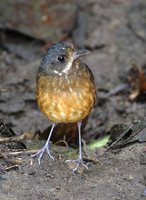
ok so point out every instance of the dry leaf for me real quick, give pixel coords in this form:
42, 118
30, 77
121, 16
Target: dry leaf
137, 80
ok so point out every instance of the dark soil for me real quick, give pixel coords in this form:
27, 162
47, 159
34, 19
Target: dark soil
115, 33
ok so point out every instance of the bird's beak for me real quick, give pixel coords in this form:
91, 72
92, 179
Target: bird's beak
79, 53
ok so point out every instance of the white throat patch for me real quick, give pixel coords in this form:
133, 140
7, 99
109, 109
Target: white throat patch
68, 66
59, 73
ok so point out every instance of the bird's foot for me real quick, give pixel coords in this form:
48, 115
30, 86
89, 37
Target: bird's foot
79, 162
41, 152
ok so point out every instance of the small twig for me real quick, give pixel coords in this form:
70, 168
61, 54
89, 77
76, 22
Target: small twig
117, 89
15, 153
119, 138
12, 139
87, 159
18, 138
4, 90
62, 141
135, 130
11, 167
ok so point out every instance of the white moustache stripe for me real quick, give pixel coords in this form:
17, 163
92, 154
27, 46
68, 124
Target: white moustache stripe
56, 72
68, 66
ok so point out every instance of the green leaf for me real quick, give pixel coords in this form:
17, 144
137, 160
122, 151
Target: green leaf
98, 143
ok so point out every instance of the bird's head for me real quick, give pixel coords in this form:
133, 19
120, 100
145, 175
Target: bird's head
60, 57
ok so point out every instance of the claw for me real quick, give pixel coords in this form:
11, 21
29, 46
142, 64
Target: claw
41, 152
79, 163
45, 148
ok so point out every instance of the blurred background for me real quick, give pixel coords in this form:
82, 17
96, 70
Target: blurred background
114, 31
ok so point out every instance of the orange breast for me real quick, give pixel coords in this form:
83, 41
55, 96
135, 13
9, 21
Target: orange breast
65, 100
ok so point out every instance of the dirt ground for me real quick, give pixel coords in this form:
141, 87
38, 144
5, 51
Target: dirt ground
115, 32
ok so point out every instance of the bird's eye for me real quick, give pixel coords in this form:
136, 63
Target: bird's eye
61, 58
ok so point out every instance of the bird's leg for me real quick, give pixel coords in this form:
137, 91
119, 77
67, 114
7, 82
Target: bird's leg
45, 147
79, 160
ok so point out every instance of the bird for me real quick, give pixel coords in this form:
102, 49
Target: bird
65, 91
